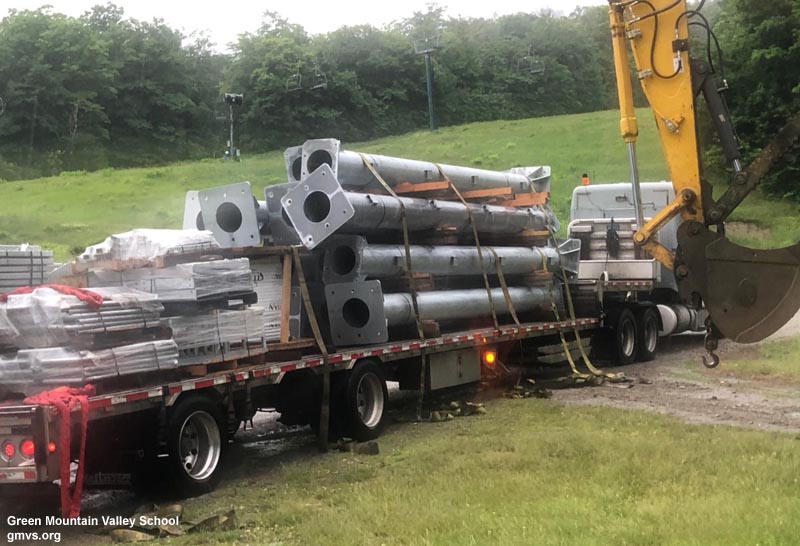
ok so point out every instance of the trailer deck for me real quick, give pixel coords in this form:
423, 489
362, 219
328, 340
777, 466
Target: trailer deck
14, 417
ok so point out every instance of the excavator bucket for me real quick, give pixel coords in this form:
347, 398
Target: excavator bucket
749, 293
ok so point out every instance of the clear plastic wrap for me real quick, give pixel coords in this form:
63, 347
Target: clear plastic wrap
32, 368
47, 318
183, 282
219, 327
147, 244
268, 281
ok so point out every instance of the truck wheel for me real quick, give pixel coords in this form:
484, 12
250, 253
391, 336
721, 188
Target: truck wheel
195, 444
648, 328
625, 337
365, 401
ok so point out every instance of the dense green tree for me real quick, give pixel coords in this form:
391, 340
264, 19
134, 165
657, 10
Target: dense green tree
761, 45
54, 77
103, 89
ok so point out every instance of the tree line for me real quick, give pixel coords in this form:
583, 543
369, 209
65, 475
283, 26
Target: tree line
106, 90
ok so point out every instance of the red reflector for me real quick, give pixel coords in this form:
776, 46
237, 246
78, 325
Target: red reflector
51, 447
9, 450
26, 447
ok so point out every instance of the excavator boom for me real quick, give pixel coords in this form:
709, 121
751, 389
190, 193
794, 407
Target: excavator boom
749, 293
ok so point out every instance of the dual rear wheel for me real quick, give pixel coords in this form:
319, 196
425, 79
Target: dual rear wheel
358, 402
635, 335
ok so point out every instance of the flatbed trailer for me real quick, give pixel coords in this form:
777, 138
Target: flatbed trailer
125, 426
171, 430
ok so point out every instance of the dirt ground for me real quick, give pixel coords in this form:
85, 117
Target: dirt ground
677, 384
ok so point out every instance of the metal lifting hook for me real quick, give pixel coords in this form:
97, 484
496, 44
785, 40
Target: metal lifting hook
710, 359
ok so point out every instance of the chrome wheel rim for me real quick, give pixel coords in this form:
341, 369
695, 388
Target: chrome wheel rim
651, 334
199, 445
627, 338
369, 400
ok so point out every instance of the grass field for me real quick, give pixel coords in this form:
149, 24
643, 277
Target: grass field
75, 209
529, 472
68, 212
773, 359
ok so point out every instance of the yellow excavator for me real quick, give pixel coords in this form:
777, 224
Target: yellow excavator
748, 293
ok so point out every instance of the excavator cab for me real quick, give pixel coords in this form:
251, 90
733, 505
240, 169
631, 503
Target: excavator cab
748, 293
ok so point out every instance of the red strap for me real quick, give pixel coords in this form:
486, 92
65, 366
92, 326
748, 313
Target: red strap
65, 399
93, 299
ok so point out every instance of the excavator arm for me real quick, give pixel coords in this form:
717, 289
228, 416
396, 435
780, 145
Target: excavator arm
748, 293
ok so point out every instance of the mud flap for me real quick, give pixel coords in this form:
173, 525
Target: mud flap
749, 293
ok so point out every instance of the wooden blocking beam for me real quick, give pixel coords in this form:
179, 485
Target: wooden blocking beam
422, 283
526, 200
431, 329
286, 297
408, 187
487, 193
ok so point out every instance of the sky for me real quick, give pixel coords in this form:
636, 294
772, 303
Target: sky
225, 20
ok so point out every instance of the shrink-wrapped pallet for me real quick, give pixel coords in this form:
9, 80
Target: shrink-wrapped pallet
46, 317
195, 281
269, 285
33, 369
218, 327
148, 244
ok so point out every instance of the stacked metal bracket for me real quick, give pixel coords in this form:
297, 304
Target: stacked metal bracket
23, 265
29, 370
479, 242
152, 301
46, 317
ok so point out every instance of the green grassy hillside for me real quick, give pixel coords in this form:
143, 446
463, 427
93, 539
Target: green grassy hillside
73, 210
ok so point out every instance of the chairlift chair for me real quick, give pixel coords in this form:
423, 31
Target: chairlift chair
320, 80
294, 82
536, 66
427, 45
530, 65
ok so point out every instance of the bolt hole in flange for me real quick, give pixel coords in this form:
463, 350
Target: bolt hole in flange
317, 206
229, 217
355, 313
317, 159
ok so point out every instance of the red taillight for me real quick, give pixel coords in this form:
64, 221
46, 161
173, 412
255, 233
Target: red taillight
9, 450
27, 448
51, 447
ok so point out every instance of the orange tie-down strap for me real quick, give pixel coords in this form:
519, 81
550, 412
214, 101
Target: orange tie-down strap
93, 299
65, 399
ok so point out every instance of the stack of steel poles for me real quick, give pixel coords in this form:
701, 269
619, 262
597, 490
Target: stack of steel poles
469, 232
479, 242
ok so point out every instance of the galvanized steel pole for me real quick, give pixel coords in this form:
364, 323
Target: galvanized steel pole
461, 304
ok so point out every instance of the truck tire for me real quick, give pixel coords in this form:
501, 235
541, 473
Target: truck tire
195, 444
648, 327
365, 398
625, 338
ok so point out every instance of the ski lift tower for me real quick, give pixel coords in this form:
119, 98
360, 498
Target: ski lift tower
232, 99
426, 47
